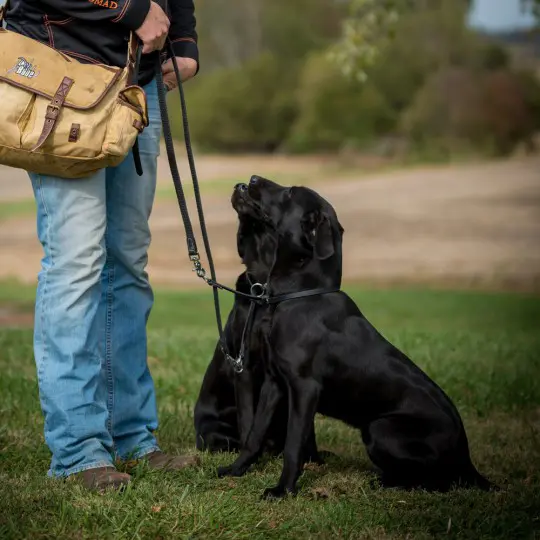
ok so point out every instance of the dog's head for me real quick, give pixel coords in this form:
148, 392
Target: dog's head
288, 230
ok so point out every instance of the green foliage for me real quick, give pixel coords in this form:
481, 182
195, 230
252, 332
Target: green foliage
234, 31
371, 26
292, 31
247, 108
334, 110
286, 80
459, 109
424, 41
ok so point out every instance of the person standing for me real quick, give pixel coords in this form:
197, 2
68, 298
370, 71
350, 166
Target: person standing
93, 294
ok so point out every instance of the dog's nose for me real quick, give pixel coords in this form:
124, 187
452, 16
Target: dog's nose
241, 187
254, 180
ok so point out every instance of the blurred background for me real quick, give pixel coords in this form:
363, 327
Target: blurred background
422, 79
418, 119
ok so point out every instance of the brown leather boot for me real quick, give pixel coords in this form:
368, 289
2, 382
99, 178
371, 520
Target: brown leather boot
164, 462
102, 478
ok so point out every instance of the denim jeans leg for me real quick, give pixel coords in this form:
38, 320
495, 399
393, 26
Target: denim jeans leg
68, 333
129, 296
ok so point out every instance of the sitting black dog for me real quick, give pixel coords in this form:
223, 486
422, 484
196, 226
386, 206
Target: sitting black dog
319, 354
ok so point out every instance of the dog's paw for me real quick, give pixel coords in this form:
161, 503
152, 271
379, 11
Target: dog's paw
230, 470
277, 492
225, 471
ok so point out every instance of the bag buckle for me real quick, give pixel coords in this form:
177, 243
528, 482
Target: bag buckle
52, 111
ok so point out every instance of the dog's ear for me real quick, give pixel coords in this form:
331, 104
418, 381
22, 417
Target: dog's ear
318, 233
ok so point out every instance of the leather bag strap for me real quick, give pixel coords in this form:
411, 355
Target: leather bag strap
53, 112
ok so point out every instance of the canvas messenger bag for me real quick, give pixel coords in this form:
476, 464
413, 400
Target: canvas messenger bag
64, 118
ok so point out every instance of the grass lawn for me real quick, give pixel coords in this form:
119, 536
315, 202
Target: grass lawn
484, 349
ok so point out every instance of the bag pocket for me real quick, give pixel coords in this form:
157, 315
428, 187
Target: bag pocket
127, 121
19, 105
78, 133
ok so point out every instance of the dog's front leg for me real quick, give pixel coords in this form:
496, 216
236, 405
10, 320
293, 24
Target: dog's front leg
303, 399
311, 452
268, 400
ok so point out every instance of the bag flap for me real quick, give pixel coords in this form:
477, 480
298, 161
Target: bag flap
38, 68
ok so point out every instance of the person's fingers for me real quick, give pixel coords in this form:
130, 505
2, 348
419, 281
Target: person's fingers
153, 32
186, 66
161, 42
169, 80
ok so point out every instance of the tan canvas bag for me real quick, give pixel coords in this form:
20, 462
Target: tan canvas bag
63, 118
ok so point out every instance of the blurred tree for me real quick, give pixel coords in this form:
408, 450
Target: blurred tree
244, 108
424, 41
371, 26
252, 53
533, 5
267, 81
234, 31
335, 111
460, 110
230, 31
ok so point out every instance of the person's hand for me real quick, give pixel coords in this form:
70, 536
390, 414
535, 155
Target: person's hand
187, 67
154, 29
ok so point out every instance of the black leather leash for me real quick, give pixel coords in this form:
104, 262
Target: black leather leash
259, 292
135, 80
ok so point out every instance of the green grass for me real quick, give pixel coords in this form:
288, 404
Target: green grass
484, 349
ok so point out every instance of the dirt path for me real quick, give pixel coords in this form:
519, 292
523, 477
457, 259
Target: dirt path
468, 224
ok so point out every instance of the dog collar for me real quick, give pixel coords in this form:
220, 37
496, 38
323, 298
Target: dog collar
259, 297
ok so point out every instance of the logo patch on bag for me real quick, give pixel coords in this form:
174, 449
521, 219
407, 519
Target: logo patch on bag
24, 68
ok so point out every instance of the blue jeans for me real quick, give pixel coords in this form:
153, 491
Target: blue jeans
92, 306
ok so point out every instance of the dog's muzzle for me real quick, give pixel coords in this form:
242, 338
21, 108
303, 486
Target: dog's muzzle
241, 188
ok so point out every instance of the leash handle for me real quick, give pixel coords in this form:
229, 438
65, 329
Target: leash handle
171, 155
180, 195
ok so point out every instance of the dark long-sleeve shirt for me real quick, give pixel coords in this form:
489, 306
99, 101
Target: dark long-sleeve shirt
98, 30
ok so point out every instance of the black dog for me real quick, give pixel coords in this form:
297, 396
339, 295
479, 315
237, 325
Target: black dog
319, 354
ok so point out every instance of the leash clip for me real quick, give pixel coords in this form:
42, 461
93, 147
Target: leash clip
197, 267
236, 363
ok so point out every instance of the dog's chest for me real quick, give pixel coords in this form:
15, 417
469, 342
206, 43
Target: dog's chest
259, 341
